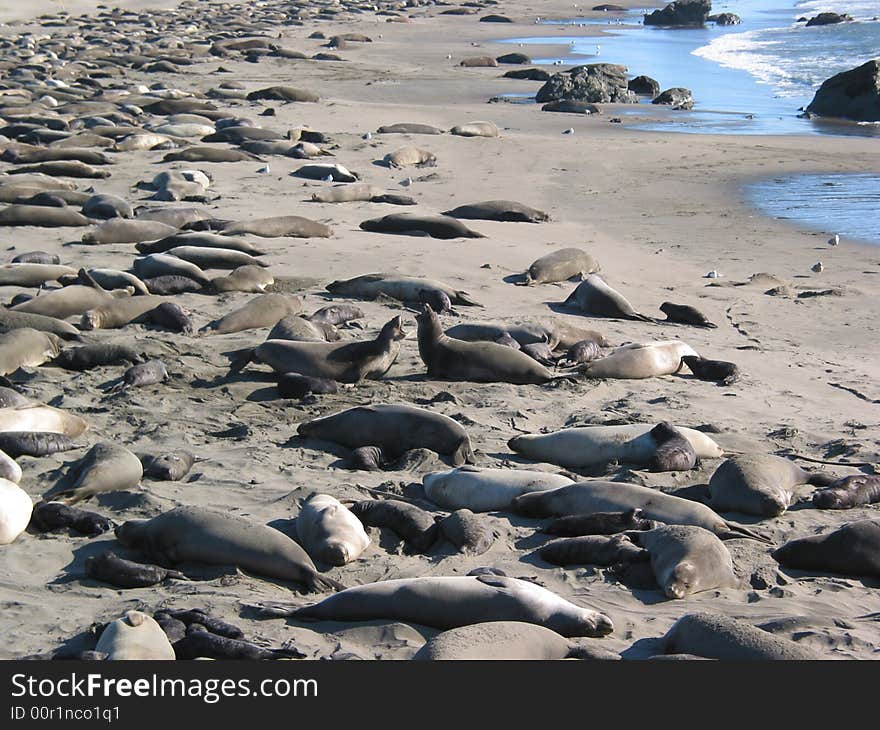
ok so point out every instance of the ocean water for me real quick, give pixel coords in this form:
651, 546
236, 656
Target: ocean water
751, 78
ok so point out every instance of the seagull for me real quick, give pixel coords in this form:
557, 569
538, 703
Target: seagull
817, 267
598, 48
368, 135
407, 182
448, 56
834, 240
570, 130
264, 170
712, 275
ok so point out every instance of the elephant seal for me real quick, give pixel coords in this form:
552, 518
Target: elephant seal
687, 559
209, 154
467, 532
561, 265
171, 466
170, 315
41, 216
449, 602
719, 370
245, 278
345, 362
96, 355
580, 353
324, 170
486, 362
674, 451
329, 532
134, 636
37, 417
409, 156
265, 310
716, 636
856, 490
587, 446
11, 398
336, 314
853, 549
684, 314
106, 206
190, 616
15, 511
105, 468
25, 274
119, 230
34, 443
215, 258
283, 93
477, 61
163, 264
475, 129
69, 301
595, 298
62, 168
395, 429
26, 348
169, 285
289, 226
346, 193
48, 516
593, 550
415, 526
37, 257
202, 535
200, 643
199, 238
9, 469
599, 523
10, 320
402, 288
640, 360
506, 640
117, 313
555, 333
600, 496
413, 224
759, 484
508, 211
408, 128
486, 490
146, 373
294, 385
110, 568
107, 279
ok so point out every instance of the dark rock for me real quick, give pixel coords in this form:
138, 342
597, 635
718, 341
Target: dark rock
598, 83
609, 9
644, 86
676, 97
829, 19
681, 12
513, 58
530, 74
725, 19
853, 94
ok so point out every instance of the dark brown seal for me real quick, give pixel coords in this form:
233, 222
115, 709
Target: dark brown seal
674, 451
852, 491
599, 523
684, 314
721, 371
593, 550
169, 467
110, 568
35, 443
94, 356
294, 385
48, 516
417, 527
854, 549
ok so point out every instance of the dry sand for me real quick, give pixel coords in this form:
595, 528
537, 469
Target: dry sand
658, 210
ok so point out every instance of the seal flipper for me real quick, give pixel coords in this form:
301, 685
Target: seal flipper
322, 582
239, 359
465, 299
275, 610
738, 532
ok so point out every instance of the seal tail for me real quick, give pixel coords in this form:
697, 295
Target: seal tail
272, 609
738, 532
821, 479
463, 298
322, 582
645, 318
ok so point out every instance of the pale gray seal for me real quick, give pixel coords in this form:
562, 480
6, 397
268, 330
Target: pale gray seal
134, 636
262, 311
329, 532
561, 265
595, 298
105, 468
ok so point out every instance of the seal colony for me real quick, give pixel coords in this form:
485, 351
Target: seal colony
207, 384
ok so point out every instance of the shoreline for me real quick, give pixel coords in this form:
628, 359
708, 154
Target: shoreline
657, 210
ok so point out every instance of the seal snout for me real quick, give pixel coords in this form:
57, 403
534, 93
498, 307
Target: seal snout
602, 625
336, 554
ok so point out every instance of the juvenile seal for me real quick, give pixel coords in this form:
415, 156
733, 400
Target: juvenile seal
551, 331
26, 348
402, 288
600, 496
110, 568
294, 385
116, 313
450, 602
853, 549
329, 532
171, 284
97, 355
684, 314
134, 636
291, 226
106, 206
505, 640
170, 466
408, 128
215, 258
476, 129
499, 210
200, 643
199, 238
593, 550
852, 491
245, 278
599, 523
336, 314
15, 511
674, 451
561, 265
265, 310
409, 156
37, 417
413, 224
345, 362
202, 535
687, 559
170, 316
719, 370
395, 429
759, 484
48, 516
209, 154
586, 446
488, 362
346, 193
486, 490
581, 352
467, 532
640, 360
107, 279
415, 526
324, 170
150, 372
105, 468
595, 298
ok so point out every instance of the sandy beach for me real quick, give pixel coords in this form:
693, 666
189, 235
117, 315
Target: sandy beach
658, 211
